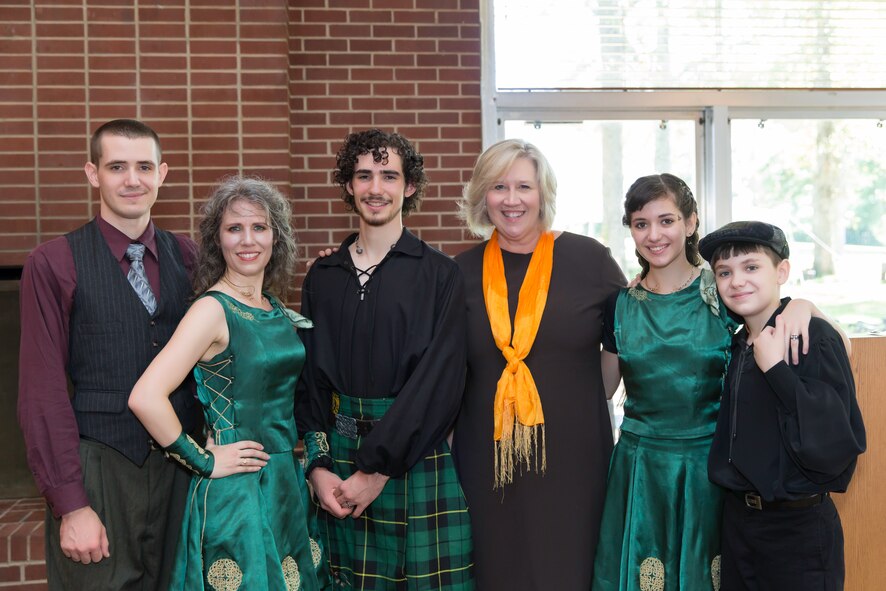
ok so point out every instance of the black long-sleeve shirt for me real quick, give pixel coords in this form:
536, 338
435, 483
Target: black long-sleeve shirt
401, 336
793, 431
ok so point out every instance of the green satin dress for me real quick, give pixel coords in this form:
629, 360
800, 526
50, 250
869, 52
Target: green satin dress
661, 518
251, 531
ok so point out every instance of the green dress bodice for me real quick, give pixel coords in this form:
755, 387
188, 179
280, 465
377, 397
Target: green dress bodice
247, 389
673, 351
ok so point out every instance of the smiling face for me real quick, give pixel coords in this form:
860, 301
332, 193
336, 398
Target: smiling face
379, 189
749, 284
246, 239
128, 177
660, 231
513, 204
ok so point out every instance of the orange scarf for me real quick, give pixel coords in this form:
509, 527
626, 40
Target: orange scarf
516, 395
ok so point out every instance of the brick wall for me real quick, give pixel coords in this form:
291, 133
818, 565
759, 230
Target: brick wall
258, 86
408, 65
22, 563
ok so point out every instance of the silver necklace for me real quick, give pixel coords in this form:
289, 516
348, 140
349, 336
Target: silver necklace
359, 249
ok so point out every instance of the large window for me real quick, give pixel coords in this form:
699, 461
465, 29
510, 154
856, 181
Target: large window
612, 90
689, 44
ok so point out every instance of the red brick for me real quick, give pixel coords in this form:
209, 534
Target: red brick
276, 30
16, 94
15, 13
466, 45
372, 74
75, 210
370, 45
37, 572
9, 573
324, 16
214, 94
162, 63
394, 118
263, 46
19, 78
16, 127
15, 144
18, 62
270, 62
393, 59
415, 45
393, 4
161, 31
415, 16
416, 74
98, 95
373, 104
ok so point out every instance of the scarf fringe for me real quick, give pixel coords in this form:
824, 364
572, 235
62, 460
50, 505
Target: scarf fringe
520, 446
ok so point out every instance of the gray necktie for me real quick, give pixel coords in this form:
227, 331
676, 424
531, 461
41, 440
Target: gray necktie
138, 278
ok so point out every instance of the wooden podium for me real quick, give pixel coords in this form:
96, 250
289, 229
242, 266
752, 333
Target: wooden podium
863, 507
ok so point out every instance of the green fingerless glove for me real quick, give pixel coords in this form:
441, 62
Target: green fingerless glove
186, 451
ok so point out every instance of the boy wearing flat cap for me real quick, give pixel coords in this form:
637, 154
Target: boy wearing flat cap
787, 435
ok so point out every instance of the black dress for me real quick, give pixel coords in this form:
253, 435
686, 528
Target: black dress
540, 532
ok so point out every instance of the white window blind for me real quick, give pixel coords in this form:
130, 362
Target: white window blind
689, 44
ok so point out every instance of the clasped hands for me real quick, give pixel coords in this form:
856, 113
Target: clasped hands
346, 497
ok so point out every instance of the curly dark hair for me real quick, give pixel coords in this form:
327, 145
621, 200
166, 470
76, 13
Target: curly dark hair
280, 272
650, 188
377, 143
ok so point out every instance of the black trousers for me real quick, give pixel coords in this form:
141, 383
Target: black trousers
141, 509
781, 549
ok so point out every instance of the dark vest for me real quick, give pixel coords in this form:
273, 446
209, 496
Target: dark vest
113, 339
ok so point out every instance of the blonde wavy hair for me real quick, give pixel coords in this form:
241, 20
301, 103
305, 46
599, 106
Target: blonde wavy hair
491, 166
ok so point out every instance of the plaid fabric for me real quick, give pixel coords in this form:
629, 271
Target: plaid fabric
415, 536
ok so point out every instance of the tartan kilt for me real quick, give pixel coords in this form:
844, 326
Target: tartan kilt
415, 536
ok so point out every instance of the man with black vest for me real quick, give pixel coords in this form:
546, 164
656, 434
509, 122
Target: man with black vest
96, 306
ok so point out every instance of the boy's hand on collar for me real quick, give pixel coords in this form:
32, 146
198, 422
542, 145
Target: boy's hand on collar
769, 347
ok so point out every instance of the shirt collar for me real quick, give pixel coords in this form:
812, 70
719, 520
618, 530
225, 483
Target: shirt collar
118, 241
408, 244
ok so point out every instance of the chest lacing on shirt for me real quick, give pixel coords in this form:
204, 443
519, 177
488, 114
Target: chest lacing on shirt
372, 274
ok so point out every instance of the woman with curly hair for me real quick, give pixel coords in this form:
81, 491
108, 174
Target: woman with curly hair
246, 523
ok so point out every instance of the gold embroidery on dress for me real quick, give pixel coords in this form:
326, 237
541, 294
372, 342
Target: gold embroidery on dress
224, 575
316, 553
652, 575
638, 294
239, 312
218, 384
715, 572
290, 573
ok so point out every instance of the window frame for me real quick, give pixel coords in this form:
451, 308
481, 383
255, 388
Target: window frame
712, 110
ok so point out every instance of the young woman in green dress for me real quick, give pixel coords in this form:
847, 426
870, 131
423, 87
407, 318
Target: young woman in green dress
246, 525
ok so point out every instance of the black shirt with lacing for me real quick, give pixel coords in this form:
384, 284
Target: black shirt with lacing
400, 335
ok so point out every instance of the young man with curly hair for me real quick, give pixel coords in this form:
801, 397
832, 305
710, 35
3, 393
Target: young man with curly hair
383, 384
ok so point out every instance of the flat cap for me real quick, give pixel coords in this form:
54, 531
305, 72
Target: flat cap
747, 232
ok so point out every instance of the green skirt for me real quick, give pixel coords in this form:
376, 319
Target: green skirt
416, 535
661, 519
251, 532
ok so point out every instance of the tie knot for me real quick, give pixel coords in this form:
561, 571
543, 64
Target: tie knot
135, 252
